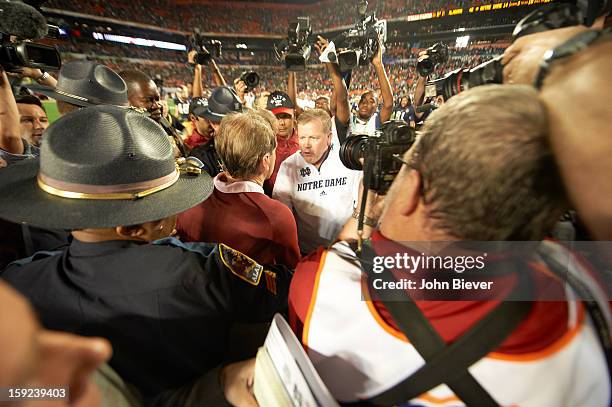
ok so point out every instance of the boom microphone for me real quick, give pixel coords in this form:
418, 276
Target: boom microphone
21, 20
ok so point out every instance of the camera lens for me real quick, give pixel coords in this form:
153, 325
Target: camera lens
425, 66
352, 150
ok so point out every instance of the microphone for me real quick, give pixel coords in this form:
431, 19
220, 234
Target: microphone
21, 20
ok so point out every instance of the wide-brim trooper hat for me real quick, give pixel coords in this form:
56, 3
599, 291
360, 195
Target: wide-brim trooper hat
86, 83
221, 102
99, 167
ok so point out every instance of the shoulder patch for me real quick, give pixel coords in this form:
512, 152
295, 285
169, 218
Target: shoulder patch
241, 265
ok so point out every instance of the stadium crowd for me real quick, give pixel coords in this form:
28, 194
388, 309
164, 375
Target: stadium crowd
254, 18
156, 229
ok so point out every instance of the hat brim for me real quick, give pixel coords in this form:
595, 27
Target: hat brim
213, 117
50, 92
22, 201
279, 110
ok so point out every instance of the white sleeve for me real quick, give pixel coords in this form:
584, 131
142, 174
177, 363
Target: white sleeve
283, 187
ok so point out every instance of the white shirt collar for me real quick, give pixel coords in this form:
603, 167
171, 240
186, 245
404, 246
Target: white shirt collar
236, 187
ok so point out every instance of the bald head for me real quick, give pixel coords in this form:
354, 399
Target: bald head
142, 92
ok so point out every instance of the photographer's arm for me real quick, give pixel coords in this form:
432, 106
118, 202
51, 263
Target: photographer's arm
339, 94
39, 76
385, 86
217, 77
581, 141
10, 132
292, 92
373, 210
419, 95
196, 89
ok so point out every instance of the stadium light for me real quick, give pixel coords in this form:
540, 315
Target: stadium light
139, 41
462, 42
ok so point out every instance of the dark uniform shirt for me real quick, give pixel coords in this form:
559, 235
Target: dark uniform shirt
208, 155
166, 307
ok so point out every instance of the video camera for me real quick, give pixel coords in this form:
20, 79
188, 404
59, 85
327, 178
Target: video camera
298, 47
394, 138
359, 44
434, 55
26, 23
462, 79
206, 49
250, 79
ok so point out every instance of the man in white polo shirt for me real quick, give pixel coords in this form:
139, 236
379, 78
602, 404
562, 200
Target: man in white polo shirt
315, 184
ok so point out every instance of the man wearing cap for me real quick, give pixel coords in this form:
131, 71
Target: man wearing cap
283, 108
80, 84
202, 130
223, 101
85, 83
109, 175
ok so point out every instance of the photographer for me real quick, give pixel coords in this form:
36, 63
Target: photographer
13, 147
581, 139
368, 118
197, 89
449, 190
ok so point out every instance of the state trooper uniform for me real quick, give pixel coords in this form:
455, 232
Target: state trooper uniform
165, 306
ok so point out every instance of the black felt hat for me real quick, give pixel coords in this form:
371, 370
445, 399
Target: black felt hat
86, 83
100, 167
221, 102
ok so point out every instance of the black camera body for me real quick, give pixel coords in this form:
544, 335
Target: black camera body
206, 49
462, 79
434, 55
250, 79
299, 44
25, 22
394, 138
359, 44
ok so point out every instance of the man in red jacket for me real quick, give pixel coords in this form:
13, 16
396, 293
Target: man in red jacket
239, 213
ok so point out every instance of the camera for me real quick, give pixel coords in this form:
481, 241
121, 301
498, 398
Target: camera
250, 79
206, 49
296, 51
378, 151
434, 55
359, 44
462, 79
24, 22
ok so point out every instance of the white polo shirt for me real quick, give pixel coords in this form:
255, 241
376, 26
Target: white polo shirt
322, 200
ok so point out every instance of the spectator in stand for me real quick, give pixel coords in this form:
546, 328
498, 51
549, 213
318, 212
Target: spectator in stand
262, 228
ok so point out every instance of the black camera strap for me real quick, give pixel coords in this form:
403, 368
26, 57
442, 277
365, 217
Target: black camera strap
588, 292
444, 364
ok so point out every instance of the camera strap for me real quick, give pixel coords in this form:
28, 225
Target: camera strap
444, 363
587, 289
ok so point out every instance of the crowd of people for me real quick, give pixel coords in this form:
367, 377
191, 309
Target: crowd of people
254, 18
144, 251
